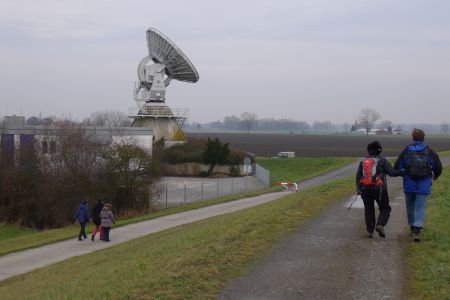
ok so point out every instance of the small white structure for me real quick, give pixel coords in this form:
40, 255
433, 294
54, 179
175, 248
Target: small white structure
286, 154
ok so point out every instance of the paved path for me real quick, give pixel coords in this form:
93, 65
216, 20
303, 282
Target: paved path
25, 261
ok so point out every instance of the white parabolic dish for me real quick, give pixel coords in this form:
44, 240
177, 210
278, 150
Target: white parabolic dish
162, 50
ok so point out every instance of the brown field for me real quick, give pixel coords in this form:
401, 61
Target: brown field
269, 144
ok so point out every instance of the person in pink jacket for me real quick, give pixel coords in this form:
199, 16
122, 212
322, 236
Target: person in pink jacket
107, 221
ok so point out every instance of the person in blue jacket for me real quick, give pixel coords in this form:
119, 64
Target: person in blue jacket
82, 216
421, 165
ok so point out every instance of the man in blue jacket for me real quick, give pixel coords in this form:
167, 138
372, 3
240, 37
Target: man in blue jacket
82, 216
420, 165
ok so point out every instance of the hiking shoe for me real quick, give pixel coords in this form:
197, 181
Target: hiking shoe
412, 231
416, 234
369, 234
80, 239
380, 230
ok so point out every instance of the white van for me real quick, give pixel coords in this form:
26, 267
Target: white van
286, 154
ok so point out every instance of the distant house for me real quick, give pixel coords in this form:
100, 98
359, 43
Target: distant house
360, 131
379, 131
397, 131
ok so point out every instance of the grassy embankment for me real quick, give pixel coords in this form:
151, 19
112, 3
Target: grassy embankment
429, 260
188, 262
14, 238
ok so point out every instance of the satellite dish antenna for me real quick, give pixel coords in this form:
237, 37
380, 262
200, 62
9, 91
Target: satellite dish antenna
164, 62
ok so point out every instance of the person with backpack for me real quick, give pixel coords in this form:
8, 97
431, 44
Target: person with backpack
371, 184
82, 216
421, 165
96, 219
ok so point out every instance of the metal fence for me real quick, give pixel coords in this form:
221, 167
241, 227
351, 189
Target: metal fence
263, 175
176, 191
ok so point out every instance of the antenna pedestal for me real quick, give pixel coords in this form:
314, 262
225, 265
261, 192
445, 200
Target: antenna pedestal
159, 117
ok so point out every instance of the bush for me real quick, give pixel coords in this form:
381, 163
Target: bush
203, 174
235, 171
191, 152
188, 152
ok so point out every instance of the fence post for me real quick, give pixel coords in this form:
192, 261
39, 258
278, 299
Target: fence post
217, 191
202, 192
166, 194
184, 193
232, 185
246, 183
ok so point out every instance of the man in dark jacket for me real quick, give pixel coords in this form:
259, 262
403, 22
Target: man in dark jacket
96, 219
82, 216
371, 183
418, 180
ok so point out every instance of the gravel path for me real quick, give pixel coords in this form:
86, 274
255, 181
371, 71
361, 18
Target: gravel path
329, 258
25, 261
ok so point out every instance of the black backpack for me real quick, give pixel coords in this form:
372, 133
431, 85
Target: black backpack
418, 165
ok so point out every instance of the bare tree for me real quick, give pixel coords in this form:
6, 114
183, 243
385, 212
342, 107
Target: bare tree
325, 125
108, 118
385, 124
367, 118
248, 119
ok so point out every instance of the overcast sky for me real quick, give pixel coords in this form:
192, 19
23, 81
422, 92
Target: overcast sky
305, 60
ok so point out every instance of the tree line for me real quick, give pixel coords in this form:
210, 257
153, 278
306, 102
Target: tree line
367, 119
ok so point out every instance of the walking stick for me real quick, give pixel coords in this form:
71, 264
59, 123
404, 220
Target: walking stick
353, 201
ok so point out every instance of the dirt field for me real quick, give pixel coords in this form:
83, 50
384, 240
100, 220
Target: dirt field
265, 144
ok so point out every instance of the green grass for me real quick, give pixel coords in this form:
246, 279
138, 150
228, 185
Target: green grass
297, 169
11, 231
429, 260
444, 153
194, 261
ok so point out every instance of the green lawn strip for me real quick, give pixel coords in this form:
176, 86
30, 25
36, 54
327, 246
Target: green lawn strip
444, 153
41, 238
193, 261
8, 231
298, 169
429, 260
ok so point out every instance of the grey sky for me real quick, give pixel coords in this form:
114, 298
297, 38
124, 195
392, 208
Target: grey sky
305, 60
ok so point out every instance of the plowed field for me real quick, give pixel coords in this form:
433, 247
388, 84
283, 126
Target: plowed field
268, 144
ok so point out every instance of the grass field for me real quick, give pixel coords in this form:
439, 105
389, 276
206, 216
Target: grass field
297, 169
429, 260
14, 238
188, 262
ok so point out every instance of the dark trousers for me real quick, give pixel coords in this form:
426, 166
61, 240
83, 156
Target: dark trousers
369, 198
82, 230
106, 233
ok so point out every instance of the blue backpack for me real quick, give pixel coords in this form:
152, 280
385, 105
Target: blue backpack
418, 164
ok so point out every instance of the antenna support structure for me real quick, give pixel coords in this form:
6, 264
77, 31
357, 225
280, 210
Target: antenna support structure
165, 62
